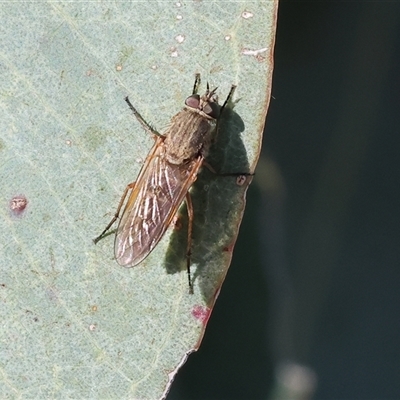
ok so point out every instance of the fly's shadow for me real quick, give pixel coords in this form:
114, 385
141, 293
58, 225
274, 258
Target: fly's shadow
217, 205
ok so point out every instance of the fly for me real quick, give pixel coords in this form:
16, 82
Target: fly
165, 178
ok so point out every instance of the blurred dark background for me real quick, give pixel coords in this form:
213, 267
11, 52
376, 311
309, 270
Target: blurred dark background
310, 308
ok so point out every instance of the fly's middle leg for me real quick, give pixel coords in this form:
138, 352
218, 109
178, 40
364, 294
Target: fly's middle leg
237, 174
116, 215
146, 126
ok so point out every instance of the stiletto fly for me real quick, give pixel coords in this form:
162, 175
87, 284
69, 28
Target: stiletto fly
167, 174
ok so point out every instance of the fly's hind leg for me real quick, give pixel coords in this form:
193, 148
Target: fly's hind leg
146, 126
189, 206
116, 215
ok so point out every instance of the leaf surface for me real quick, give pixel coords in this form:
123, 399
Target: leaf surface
75, 323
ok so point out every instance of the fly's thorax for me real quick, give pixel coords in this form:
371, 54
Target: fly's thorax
188, 136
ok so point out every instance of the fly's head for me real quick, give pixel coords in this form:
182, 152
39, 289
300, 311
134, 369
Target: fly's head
206, 105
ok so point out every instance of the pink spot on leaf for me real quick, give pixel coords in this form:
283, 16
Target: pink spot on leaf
18, 204
201, 313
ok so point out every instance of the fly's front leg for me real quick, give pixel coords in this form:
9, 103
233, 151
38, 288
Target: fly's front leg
189, 206
228, 99
196, 85
147, 127
205, 163
116, 215
226, 102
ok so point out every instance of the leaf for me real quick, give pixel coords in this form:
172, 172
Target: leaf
75, 323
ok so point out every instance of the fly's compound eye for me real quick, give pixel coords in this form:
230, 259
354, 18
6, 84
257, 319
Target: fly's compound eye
211, 109
193, 101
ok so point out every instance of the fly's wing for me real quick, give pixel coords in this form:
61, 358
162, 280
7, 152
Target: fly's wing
152, 204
